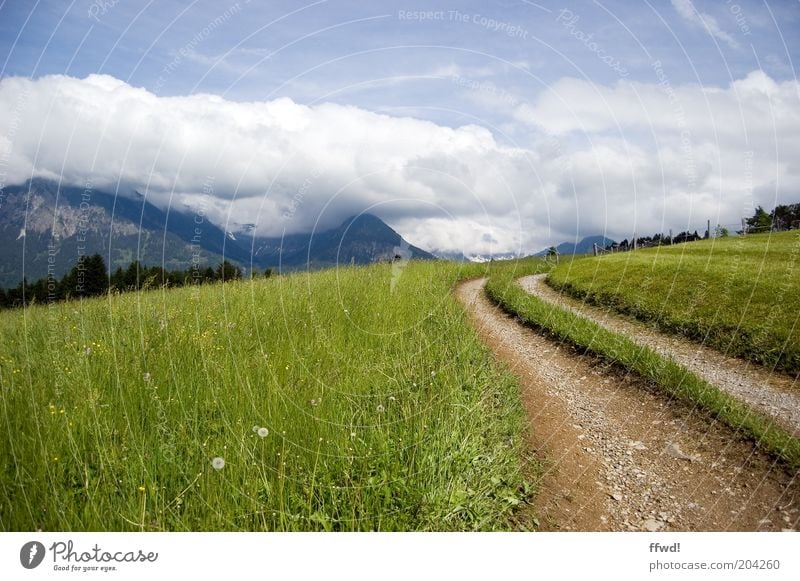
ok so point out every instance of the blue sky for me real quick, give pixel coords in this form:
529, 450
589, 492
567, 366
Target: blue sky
530, 74
340, 50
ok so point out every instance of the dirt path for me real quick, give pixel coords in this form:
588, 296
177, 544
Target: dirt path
621, 457
774, 394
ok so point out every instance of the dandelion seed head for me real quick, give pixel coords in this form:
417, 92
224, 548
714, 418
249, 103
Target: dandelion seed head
146, 377
263, 432
380, 409
255, 429
218, 463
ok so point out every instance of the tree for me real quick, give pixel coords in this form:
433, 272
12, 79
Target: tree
134, 275
786, 217
227, 271
88, 278
552, 254
95, 276
761, 221
721, 232
267, 273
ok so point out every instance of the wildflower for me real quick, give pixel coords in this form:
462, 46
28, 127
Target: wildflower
146, 377
87, 350
218, 463
392, 398
263, 432
315, 402
255, 429
141, 489
380, 409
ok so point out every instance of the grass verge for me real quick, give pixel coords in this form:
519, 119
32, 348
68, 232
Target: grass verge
667, 375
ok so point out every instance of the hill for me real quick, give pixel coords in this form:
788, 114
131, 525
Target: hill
349, 399
738, 294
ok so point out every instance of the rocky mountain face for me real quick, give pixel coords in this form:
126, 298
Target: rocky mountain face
45, 228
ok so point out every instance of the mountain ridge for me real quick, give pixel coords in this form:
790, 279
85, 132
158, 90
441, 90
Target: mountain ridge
45, 227
584, 246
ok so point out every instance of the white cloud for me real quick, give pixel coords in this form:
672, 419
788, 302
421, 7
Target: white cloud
276, 163
675, 156
598, 159
688, 12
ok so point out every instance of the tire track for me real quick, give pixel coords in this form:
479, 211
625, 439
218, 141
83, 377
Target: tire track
619, 455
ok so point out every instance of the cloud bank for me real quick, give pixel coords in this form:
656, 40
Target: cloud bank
595, 159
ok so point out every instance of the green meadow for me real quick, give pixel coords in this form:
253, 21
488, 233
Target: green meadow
740, 295
355, 398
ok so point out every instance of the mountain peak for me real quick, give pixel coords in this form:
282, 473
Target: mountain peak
363, 220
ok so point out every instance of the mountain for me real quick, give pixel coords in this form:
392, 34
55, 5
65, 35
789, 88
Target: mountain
451, 255
457, 256
359, 239
582, 247
44, 226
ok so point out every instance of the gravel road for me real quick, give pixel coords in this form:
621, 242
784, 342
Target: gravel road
619, 455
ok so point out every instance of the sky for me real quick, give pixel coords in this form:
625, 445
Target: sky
499, 126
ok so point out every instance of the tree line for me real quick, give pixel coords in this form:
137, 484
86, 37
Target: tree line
783, 217
90, 278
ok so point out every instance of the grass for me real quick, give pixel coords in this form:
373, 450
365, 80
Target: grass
664, 373
381, 409
739, 295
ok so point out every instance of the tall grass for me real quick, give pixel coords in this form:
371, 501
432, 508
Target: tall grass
664, 373
335, 403
739, 295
